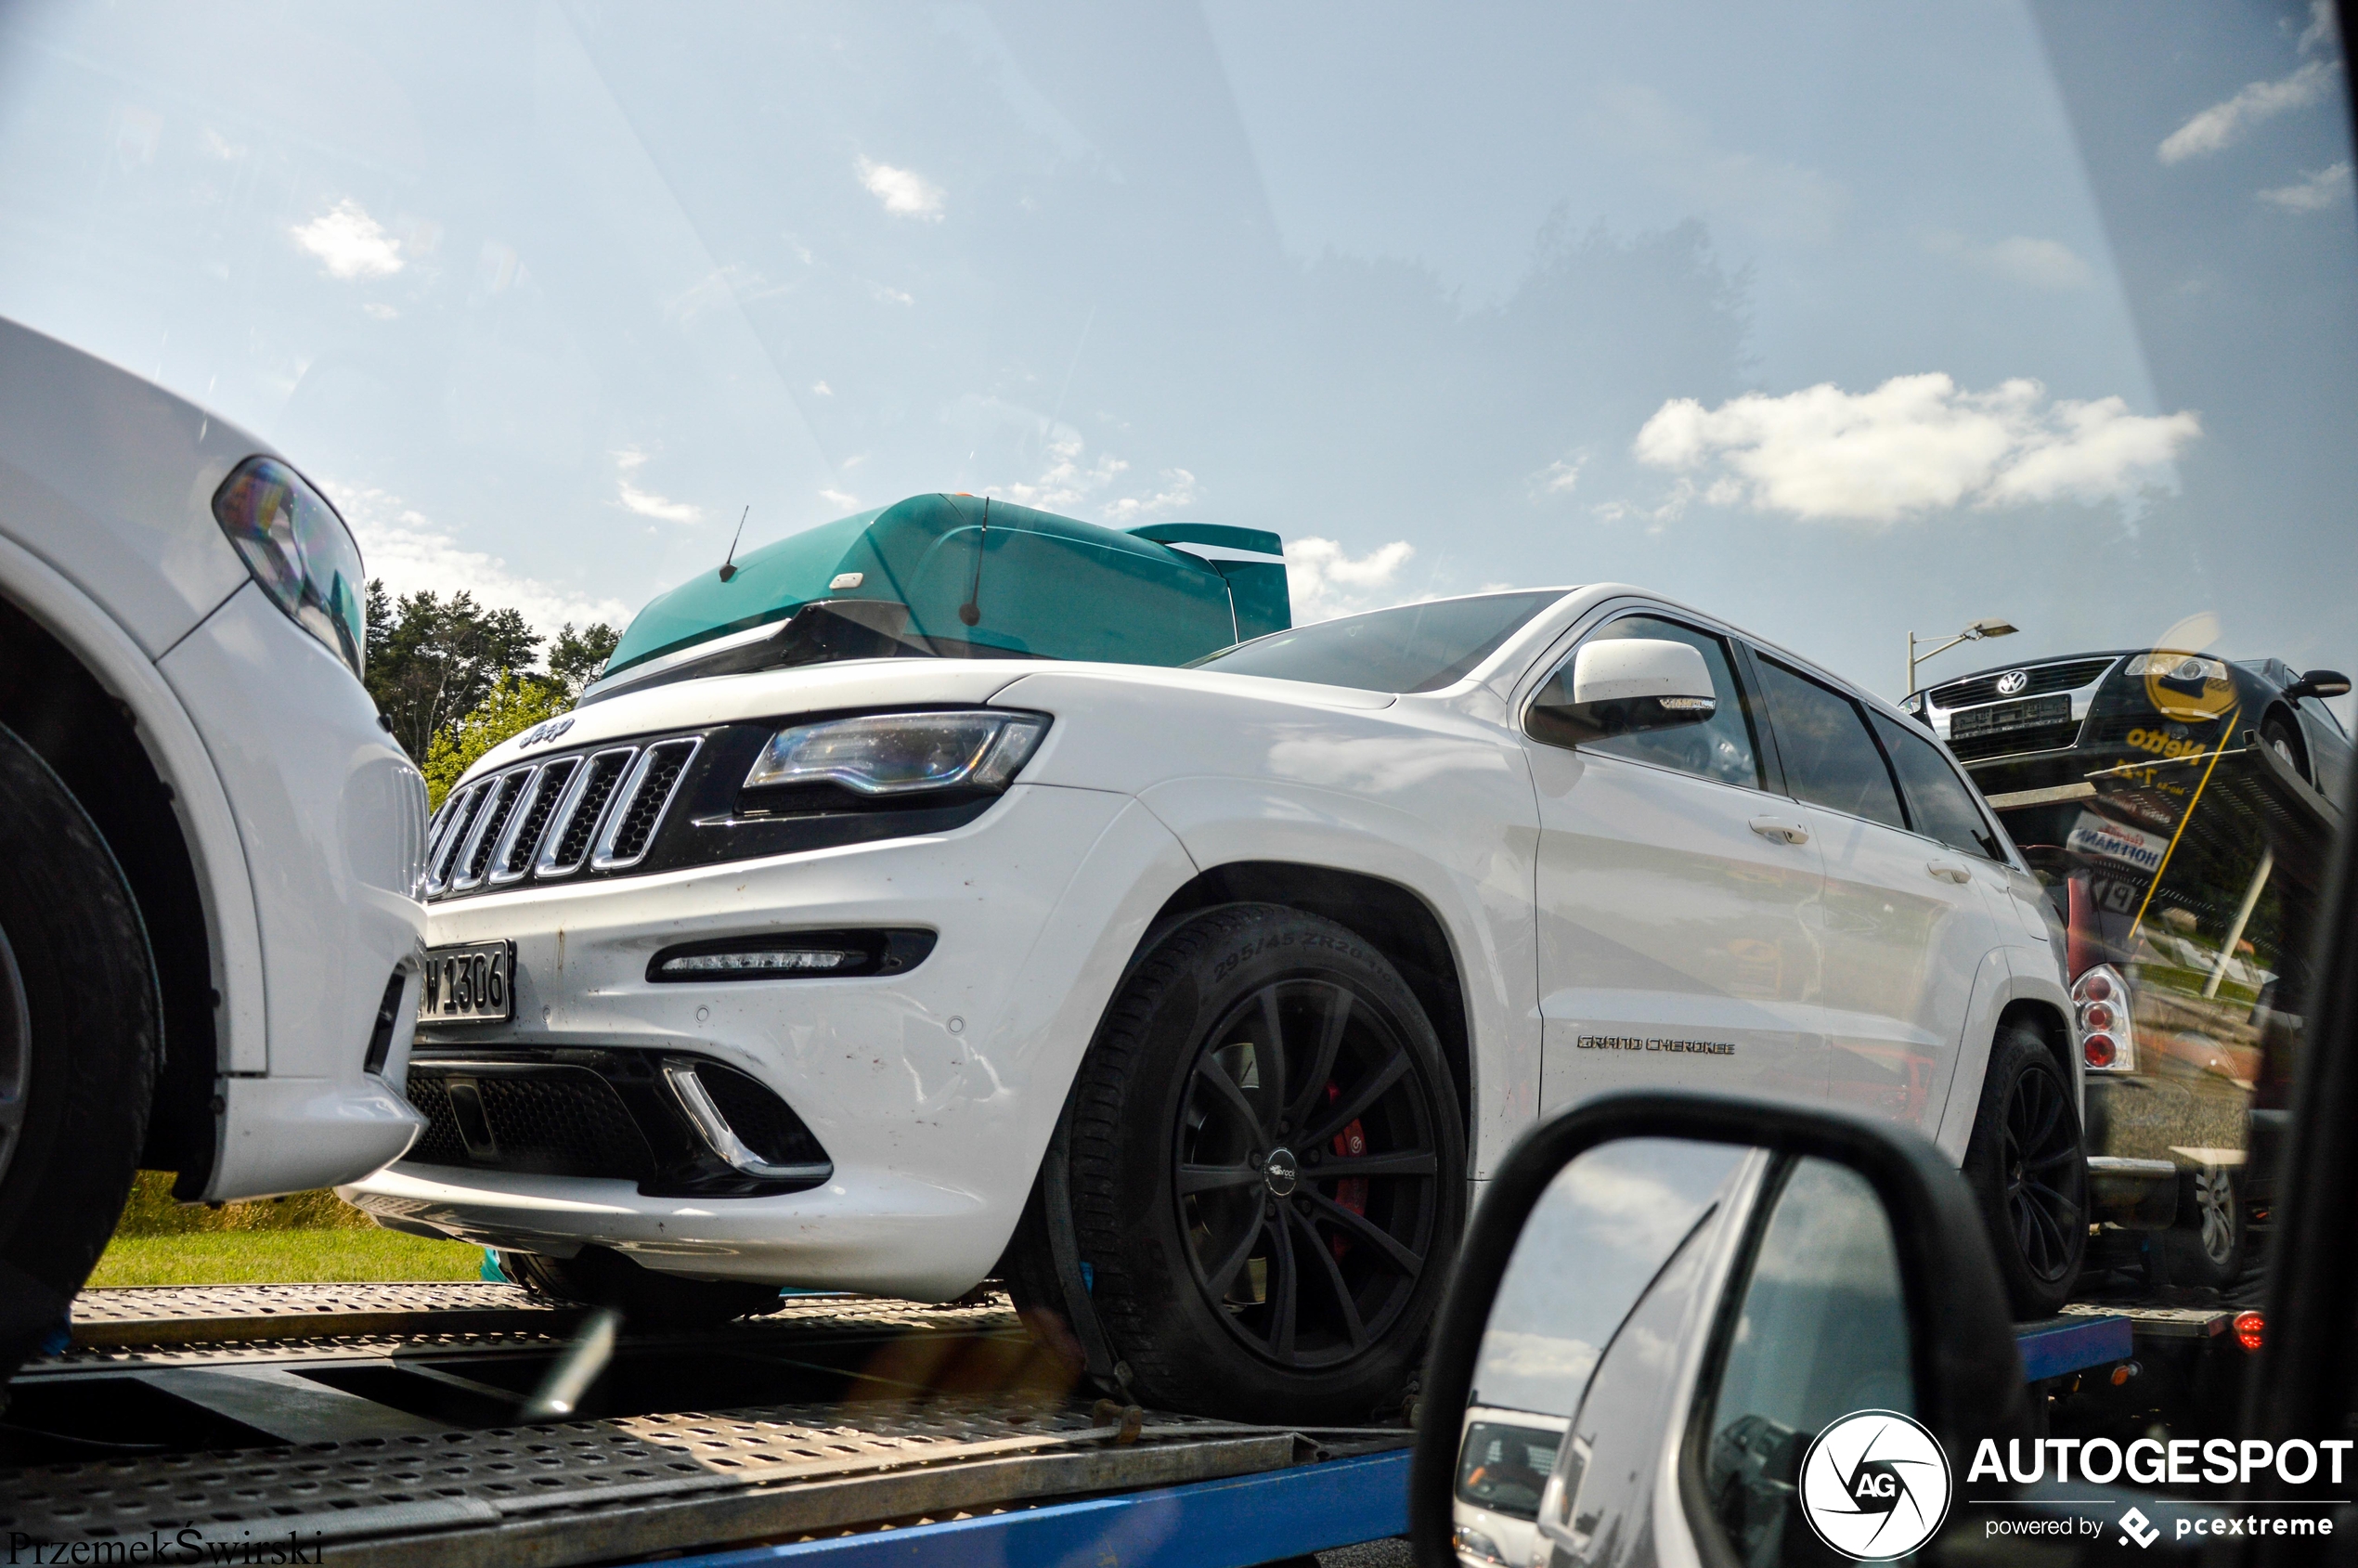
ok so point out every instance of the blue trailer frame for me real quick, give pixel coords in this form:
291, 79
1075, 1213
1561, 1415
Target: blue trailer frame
1255, 1519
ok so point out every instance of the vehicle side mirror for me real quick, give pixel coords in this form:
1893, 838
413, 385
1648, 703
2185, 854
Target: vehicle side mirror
1622, 686
2320, 683
1764, 1325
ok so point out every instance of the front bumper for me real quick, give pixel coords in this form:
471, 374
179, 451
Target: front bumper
932, 1091
331, 819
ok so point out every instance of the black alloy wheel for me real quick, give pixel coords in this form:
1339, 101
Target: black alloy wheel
1305, 1168
2026, 1166
1264, 1175
2044, 1205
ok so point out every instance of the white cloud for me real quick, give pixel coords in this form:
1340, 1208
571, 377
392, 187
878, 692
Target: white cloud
380, 310
410, 552
1559, 478
2320, 190
349, 242
1326, 583
822, 389
1913, 445
843, 498
904, 192
2223, 123
1070, 479
646, 503
2018, 258
2324, 31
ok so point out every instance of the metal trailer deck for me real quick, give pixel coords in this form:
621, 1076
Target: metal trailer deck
381, 1424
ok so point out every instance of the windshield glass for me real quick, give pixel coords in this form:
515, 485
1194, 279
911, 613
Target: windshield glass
1413, 648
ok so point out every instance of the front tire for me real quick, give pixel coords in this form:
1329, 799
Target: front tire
81, 1042
2029, 1174
1267, 1171
649, 1301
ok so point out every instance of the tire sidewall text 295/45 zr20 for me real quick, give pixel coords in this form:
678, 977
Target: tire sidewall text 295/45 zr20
79, 1060
2029, 1172
1183, 1166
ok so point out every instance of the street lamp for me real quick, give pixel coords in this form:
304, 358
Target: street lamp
1975, 631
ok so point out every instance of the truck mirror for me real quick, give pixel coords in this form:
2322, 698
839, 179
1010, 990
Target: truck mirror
1746, 1304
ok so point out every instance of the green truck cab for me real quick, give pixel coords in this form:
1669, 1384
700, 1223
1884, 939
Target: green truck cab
961, 576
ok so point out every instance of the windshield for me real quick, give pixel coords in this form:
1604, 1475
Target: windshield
1413, 648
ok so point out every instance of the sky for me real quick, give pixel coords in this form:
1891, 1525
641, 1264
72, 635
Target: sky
1839, 320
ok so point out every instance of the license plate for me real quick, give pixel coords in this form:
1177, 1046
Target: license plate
471, 982
2007, 716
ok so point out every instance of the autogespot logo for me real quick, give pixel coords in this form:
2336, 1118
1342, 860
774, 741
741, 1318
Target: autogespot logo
1875, 1485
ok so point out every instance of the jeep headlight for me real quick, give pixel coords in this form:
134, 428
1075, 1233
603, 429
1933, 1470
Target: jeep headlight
299, 550
902, 753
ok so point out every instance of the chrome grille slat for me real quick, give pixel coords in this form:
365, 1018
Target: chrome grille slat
565, 842
499, 800
461, 812
2066, 675
640, 805
511, 856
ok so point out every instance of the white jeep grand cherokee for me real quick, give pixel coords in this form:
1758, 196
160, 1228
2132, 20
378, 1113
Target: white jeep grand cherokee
1187, 1000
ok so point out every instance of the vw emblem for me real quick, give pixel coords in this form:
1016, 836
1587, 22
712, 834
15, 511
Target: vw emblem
2012, 681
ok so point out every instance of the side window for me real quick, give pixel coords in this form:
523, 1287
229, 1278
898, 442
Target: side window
1940, 802
1820, 1332
1721, 748
1831, 760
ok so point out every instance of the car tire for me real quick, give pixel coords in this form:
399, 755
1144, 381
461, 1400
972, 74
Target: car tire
649, 1301
1271, 1257
2206, 1247
2029, 1173
2281, 736
81, 1042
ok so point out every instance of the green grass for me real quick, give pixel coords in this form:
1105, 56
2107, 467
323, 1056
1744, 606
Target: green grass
278, 1256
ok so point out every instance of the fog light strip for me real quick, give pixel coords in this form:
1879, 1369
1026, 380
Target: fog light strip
796, 958
723, 1139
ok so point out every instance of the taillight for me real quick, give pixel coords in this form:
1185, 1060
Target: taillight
2251, 1328
2107, 1039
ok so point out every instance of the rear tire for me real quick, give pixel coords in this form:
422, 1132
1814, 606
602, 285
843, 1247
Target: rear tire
81, 1042
2029, 1174
2206, 1247
1267, 1171
649, 1301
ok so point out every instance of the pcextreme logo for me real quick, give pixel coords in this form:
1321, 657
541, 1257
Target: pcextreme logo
1875, 1485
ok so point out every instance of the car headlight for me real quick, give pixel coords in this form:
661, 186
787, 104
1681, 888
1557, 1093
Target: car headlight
299, 550
902, 753
2188, 668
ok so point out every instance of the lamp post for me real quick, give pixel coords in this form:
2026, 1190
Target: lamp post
1989, 626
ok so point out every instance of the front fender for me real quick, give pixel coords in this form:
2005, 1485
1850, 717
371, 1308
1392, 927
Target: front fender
1469, 861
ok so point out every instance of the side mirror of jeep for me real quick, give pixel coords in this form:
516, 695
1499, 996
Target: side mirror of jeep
1621, 686
1754, 1325
2320, 683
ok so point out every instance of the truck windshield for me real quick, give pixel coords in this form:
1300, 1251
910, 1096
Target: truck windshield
1412, 648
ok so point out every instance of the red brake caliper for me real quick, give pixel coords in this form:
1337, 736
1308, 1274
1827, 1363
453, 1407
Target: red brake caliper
1352, 1191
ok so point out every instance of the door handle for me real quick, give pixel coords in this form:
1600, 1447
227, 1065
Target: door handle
1949, 871
1783, 829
